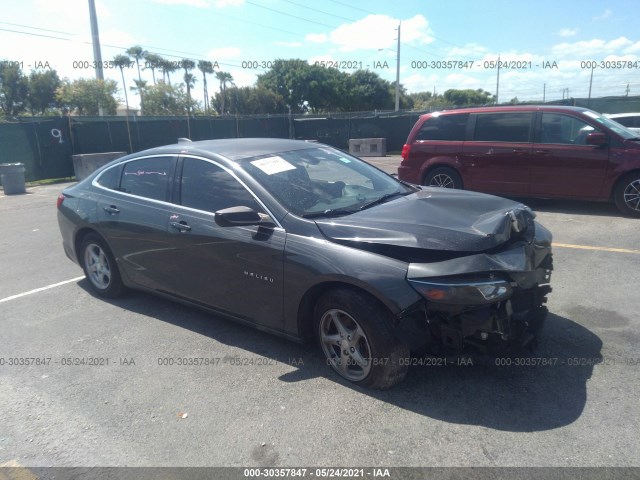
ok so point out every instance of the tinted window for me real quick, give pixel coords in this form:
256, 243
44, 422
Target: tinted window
205, 186
148, 178
503, 127
564, 129
111, 178
444, 127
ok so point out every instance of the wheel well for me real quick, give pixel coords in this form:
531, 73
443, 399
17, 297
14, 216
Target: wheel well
440, 165
80, 236
619, 180
310, 298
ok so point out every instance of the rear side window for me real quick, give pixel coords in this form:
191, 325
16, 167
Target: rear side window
503, 127
208, 187
111, 178
149, 177
444, 127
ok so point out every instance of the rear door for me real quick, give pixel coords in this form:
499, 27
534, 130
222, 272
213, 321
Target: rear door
563, 164
238, 270
497, 156
132, 215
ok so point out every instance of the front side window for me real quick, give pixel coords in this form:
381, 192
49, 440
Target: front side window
148, 177
444, 127
208, 187
564, 129
503, 127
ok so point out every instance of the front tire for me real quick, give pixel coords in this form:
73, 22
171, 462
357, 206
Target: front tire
100, 267
443, 177
355, 336
627, 194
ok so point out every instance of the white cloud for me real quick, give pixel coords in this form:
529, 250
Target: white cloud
228, 3
604, 15
589, 48
568, 32
316, 37
380, 31
321, 58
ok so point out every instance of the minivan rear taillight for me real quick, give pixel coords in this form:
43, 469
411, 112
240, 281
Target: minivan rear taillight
60, 200
406, 149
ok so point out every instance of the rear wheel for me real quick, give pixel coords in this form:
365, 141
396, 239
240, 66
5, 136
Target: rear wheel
627, 194
356, 339
100, 267
443, 177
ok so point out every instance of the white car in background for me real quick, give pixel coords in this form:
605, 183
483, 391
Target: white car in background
629, 120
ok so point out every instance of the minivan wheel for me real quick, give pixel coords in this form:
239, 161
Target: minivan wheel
627, 194
100, 267
443, 177
355, 336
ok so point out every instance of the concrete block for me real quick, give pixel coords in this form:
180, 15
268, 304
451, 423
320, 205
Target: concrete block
368, 147
87, 163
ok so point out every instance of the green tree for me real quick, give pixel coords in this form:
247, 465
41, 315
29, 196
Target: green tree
13, 89
122, 61
367, 91
168, 67
151, 62
164, 99
41, 93
224, 78
468, 97
189, 79
205, 67
251, 100
84, 96
138, 53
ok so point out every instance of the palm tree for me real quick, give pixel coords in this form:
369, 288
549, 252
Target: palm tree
122, 61
224, 78
152, 61
138, 53
189, 79
205, 67
168, 67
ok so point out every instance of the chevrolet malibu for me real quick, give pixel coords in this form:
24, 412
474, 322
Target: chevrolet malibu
304, 241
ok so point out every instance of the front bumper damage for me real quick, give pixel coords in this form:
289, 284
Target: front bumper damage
494, 328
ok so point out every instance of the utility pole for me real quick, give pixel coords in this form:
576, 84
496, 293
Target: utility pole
544, 93
498, 82
627, 91
398, 70
590, 83
95, 37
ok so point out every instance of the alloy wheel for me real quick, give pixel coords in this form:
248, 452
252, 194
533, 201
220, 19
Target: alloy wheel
97, 264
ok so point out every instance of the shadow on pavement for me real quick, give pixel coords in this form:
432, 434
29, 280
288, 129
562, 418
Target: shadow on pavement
517, 398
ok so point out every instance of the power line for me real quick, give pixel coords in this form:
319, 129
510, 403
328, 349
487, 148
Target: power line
290, 15
321, 11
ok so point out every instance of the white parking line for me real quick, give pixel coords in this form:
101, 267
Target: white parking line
42, 289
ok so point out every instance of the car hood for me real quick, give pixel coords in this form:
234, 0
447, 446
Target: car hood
434, 219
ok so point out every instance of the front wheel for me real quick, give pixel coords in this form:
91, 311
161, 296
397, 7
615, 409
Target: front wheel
627, 194
443, 177
356, 338
100, 267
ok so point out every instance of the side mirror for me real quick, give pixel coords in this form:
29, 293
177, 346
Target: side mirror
596, 138
239, 216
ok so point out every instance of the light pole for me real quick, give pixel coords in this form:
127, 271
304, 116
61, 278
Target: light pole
398, 69
97, 55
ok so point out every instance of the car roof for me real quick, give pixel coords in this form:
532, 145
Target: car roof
621, 115
233, 148
511, 108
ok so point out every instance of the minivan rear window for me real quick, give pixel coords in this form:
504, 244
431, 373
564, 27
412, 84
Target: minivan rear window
503, 127
444, 127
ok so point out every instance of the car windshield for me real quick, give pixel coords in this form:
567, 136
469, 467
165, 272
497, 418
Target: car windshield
621, 130
323, 181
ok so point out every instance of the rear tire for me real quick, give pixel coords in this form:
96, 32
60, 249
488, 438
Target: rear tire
100, 267
627, 194
444, 177
355, 336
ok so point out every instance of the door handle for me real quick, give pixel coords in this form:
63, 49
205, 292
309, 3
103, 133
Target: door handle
542, 152
180, 226
519, 150
111, 210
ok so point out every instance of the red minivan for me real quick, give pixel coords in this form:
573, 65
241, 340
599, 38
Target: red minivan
530, 151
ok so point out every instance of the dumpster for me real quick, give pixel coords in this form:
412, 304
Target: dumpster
12, 177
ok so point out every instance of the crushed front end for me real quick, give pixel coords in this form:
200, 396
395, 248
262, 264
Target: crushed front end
490, 302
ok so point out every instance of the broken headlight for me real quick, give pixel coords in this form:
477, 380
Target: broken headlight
463, 291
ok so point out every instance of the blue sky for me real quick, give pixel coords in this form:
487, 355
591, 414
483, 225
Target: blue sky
243, 34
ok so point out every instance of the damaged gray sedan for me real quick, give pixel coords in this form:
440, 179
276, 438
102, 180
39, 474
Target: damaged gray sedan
304, 241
